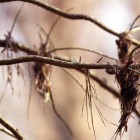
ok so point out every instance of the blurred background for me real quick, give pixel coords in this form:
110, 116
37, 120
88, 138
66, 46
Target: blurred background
68, 96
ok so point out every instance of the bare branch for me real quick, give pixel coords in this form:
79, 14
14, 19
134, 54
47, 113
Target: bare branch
7, 132
55, 62
26, 49
93, 75
83, 49
59, 116
52, 27
134, 22
20, 46
103, 83
11, 128
67, 15
137, 111
134, 41
98, 79
80, 84
16, 17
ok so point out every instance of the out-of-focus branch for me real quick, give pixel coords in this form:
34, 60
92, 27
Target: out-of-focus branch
25, 49
7, 132
19, 46
84, 89
16, 18
74, 17
67, 15
98, 79
55, 62
134, 41
83, 49
11, 128
93, 75
103, 83
137, 111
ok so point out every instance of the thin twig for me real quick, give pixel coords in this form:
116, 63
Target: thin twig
67, 15
83, 49
134, 71
94, 76
52, 27
99, 80
134, 41
99, 59
134, 50
74, 17
102, 83
16, 17
11, 128
134, 22
137, 111
8, 37
45, 33
39, 33
20, 46
26, 49
74, 77
7, 132
59, 116
55, 62
80, 84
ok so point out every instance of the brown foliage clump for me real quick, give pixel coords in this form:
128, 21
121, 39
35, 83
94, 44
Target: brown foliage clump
129, 90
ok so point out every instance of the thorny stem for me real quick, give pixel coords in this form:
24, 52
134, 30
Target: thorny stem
11, 128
